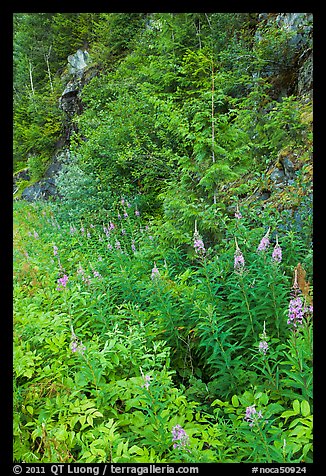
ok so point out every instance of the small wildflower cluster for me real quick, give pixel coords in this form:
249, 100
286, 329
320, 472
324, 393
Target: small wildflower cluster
62, 283
296, 312
264, 243
198, 242
76, 345
155, 272
85, 279
297, 308
263, 246
263, 346
146, 379
237, 214
277, 253
239, 262
180, 437
107, 229
35, 234
252, 416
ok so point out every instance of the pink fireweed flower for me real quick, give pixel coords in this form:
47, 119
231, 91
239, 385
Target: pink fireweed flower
80, 270
277, 254
264, 243
62, 282
198, 242
125, 214
137, 213
55, 250
199, 245
263, 347
180, 437
238, 213
76, 345
239, 261
35, 234
146, 379
155, 272
296, 310
252, 415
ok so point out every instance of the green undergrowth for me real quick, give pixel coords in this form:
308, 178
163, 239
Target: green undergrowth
128, 350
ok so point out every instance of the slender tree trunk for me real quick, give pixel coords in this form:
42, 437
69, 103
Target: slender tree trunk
31, 77
32, 85
47, 57
198, 32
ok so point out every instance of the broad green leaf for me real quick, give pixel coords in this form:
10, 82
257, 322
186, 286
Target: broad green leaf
305, 408
235, 401
296, 406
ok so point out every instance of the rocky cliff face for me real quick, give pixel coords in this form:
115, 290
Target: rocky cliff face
291, 71
79, 73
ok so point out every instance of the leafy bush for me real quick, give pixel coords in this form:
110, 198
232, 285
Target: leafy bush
81, 193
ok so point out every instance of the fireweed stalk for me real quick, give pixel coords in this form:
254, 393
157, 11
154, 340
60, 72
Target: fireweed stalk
263, 346
263, 361
239, 267
180, 437
239, 262
298, 319
76, 345
264, 243
296, 307
277, 253
275, 261
237, 213
198, 242
255, 420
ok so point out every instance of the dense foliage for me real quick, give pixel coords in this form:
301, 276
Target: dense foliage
163, 312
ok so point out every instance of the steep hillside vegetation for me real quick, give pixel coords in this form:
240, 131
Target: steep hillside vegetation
163, 237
